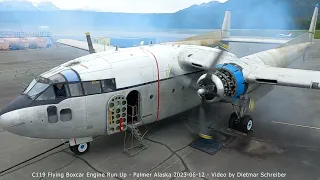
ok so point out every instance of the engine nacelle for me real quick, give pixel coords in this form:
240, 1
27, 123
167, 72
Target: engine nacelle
226, 81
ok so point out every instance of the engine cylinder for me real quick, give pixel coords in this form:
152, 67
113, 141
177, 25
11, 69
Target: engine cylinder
226, 81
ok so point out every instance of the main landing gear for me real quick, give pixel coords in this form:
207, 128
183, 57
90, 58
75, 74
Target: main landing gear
238, 120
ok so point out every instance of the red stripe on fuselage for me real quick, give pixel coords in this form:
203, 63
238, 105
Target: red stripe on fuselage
158, 72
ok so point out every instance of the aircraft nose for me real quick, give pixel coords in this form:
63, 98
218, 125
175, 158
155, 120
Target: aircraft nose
20, 102
9, 117
10, 120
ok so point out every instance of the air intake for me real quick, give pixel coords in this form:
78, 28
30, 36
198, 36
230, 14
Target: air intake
267, 81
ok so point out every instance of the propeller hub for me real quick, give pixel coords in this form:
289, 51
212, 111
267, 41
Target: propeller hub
211, 88
201, 92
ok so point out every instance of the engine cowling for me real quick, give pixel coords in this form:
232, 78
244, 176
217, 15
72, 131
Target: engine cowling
227, 81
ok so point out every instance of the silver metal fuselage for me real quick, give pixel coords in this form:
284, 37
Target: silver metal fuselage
144, 69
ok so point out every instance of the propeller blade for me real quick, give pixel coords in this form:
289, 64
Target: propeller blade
251, 105
202, 117
215, 61
203, 129
91, 50
184, 80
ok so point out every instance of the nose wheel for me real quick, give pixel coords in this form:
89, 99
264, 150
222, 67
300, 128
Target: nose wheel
80, 149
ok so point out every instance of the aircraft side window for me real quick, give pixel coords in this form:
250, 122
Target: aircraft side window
75, 89
65, 115
91, 87
61, 90
48, 94
52, 114
109, 85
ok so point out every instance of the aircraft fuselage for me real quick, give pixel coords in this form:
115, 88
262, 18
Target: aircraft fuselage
142, 70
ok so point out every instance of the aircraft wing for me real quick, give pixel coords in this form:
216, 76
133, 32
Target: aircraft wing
259, 40
191, 57
84, 45
286, 77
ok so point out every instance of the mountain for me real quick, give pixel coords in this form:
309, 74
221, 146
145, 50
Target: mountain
17, 6
26, 6
46, 6
202, 6
246, 14
266, 14
297, 7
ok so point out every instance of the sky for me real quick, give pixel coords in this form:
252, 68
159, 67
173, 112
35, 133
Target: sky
135, 6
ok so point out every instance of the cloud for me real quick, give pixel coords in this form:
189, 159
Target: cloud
130, 6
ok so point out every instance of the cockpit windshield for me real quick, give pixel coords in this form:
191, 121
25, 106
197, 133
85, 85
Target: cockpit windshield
37, 89
37, 86
33, 82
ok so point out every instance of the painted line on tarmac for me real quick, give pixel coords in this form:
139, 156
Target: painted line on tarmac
296, 125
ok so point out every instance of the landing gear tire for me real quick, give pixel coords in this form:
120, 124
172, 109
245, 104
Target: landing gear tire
246, 124
71, 148
232, 120
81, 148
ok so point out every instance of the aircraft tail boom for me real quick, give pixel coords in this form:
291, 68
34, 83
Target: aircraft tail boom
225, 30
313, 24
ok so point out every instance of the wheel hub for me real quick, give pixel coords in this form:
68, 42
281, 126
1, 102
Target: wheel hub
82, 147
249, 125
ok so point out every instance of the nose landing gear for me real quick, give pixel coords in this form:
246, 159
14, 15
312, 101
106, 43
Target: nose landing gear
238, 120
80, 149
80, 146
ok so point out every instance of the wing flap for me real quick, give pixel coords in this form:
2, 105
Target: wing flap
84, 45
286, 77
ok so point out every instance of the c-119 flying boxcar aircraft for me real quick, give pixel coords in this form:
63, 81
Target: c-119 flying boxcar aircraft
98, 94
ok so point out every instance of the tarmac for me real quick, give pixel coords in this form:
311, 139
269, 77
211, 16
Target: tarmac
284, 141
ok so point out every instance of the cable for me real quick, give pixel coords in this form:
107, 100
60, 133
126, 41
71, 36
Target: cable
33, 158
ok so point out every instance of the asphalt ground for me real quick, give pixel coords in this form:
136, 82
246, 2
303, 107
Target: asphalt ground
284, 140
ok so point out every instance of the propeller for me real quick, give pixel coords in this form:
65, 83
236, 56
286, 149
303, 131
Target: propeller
202, 116
91, 49
184, 80
202, 92
251, 105
210, 89
206, 89
212, 66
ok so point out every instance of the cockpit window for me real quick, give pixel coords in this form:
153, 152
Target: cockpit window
91, 87
75, 89
70, 75
48, 94
37, 89
33, 82
108, 85
57, 78
61, 90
